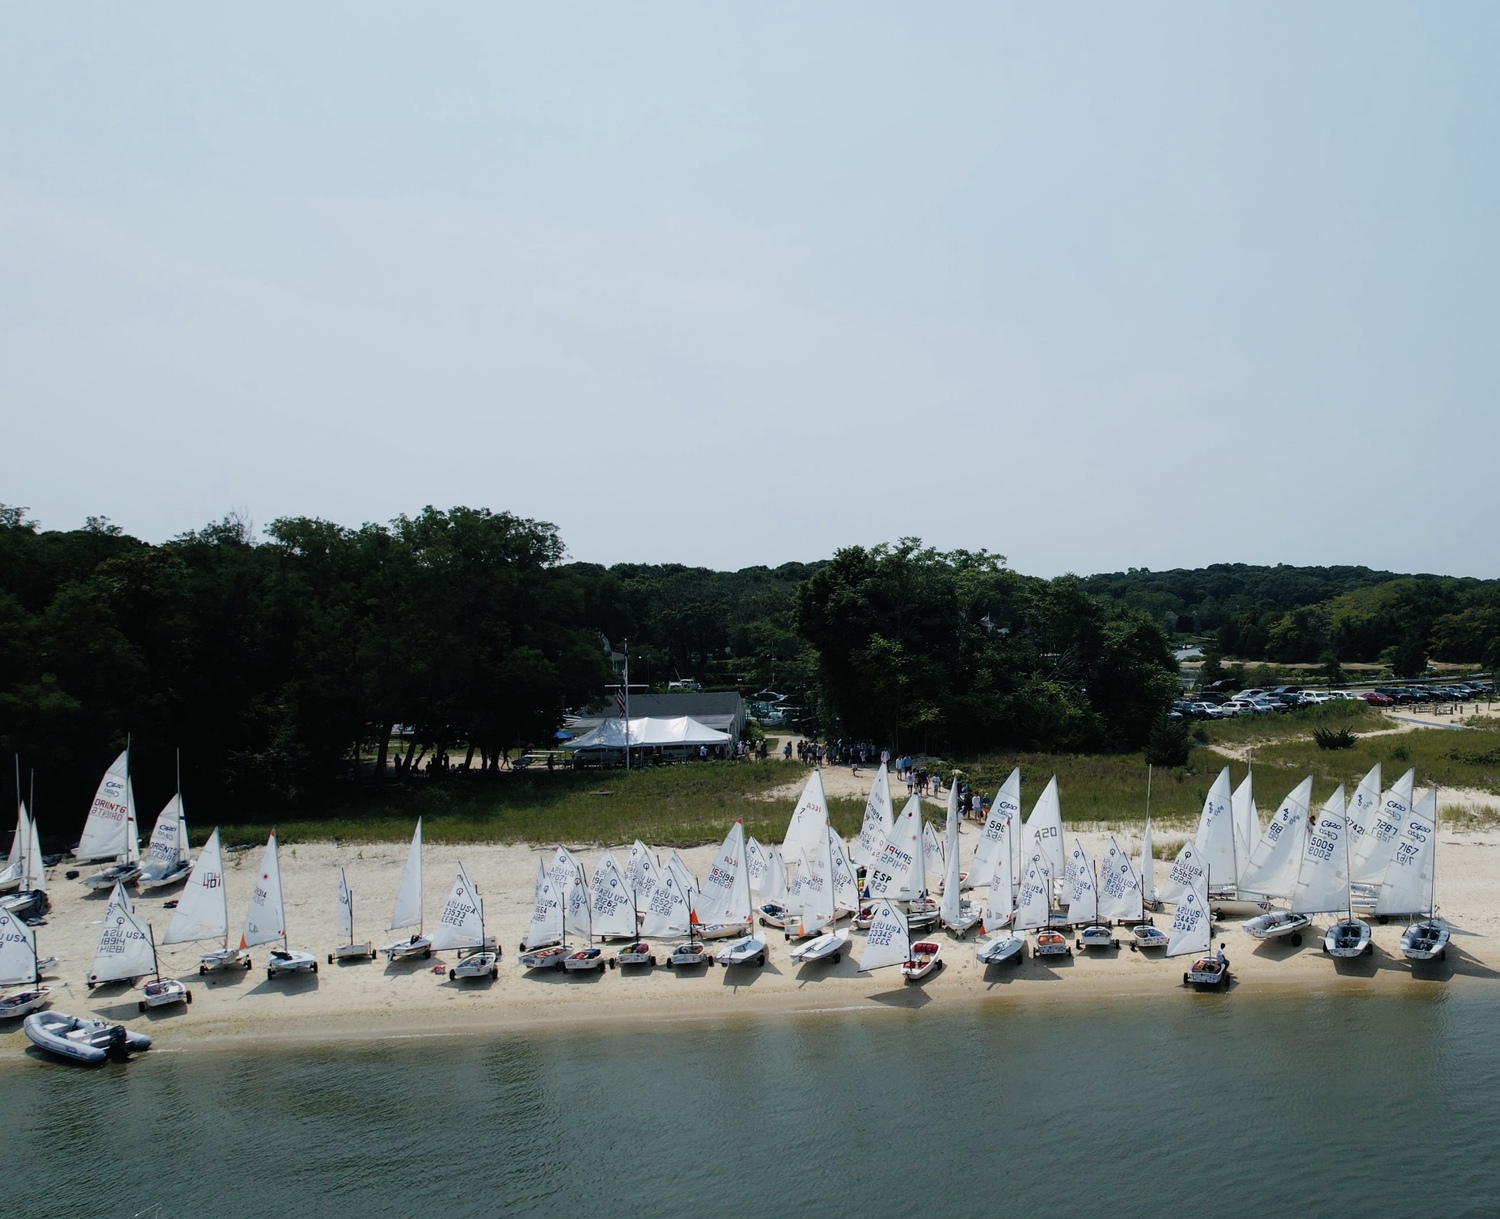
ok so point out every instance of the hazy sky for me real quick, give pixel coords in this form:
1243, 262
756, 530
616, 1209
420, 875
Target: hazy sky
1093, 287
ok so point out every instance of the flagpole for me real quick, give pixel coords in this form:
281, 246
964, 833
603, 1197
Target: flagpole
627, 703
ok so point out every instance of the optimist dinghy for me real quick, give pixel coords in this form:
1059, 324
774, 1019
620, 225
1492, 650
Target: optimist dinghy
551, 957
827, 947
747, 950
1411, 877
1146, 936
81, 1039
1192, 932
1051, 943
461, 926
20, 966
926, 957
638, 953
202, 912
407, 911
585, 960
689, 956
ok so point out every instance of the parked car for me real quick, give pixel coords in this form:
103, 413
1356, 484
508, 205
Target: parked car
1205, 711
1376, 699
1311, 698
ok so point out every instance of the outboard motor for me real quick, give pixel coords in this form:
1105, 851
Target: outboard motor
117, 1047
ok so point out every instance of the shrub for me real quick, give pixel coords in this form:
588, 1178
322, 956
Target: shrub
1400, 753
1329, 738
1168, 743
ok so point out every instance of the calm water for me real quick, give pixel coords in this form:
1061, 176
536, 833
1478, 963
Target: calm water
1223, 1105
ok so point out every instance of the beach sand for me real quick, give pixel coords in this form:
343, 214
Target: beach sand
370, 999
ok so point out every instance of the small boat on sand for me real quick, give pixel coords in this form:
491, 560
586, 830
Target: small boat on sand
82, 1039
926, 957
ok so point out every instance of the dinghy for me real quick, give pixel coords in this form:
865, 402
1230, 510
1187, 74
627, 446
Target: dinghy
1217, 841
1082, 886
926, 957
1120, 899
1149, 896
1349, 937
407, 912
1044, 830
772, 910
722, 909
30, 902
887, 943
1034, 907
1277, 924
689, 956
560, 899
1192, 933
810, 906
551, 957
1006, 946
585, 960
611, 902
347, 949
1411, 880
1323, 881
110, 831
19, 966
1274, 867
202, 912
82, 1039
167, 861
1051, 943
958, 916
829, 946
1146, 936
749, 948
1004, 943
124, 952
265, 920
461, 926
997, 861
638, 953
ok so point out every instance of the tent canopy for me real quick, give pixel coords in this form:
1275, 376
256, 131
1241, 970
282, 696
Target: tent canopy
684, 730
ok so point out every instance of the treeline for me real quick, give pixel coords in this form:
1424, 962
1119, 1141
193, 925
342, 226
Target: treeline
1309, 614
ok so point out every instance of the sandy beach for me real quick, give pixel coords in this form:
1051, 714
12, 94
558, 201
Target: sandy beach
370, 999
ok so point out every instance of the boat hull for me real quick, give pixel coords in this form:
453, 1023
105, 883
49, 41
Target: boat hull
1145, 936
81, 1039
827, 947
585, 960
223, 960
1007, 947
747, 950
689, 956
353, 952
1277, 925
164, 993
638, 953
1348, 938
1207, 972
23, 1003
406, 950
121, 874
481, 964
290, 961
926, 959
1426, 941
1096, 938
145, 882
550, 957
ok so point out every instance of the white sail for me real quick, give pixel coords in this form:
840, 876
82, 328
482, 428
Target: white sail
546, 912
203, 909
1186, 869
265, 920
575, 895
461, 923
1398, 801
1273, 863
1323, 878
814, 908
33, 871
995, 855
951, 909
611, 900
773, 890
845, 879
1034, 897
111, 821
1192, 926
999, 906
668, 913
17, 951
1246, 824
1045, 826
1215, 837
933, 853
343, 911
1119, 889
805, 830
755, 862
12, 870
879, 817
1407, 887
686, 881
407, 912
1148, 867
642, 873
165, 848
895, 873
1372, 834
887, 942
124, 943
1082, 889
724, 897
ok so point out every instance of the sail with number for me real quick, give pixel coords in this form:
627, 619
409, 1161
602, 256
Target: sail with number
1192, 926
575, 895
546, 925
110, 831
845, 879
755, 862
1215, 837
725, 898
1186, 869
804, 832
1273, 863
265, 920
933, 853
18, 963
407, 912
1081, 887
879, 817
642, 871
168, 844
611, 901
999, 906
203, 909
887, 942
1119, 888
1323, 878
996, 860
1372, 833
668, 913
811, 903
1034, 897
343, 910
895, 873
461, 923
1044, 826
1408, 884
124, 943
773, 890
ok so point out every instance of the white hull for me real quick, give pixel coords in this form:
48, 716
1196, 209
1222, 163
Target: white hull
1007, 947
23, 1003
1278, 924
145, 882
224, 959
82, 1039
585, 960
405, 950
1207, 971
164, 993
1145, 936
353, 952
969, 917
290, 961
827, 947
1052, 944
1096, 937
688, 956
638, 953
926, 959
721, 931
1348, 938
1426, 941
550, 957
484, 964
122, 873
747, 950
773, 915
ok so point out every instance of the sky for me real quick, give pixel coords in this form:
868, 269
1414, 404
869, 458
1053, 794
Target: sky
1089, 286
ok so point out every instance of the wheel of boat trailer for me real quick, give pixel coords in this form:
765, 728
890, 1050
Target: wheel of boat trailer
270, 974
1070, 952
452, 975
247, 962
1185, 979
1369, 950
835, 958
1325, 948
494, 973
601, 966
1132, 948
1080, 945
372, 953
426, 952
1382, 919
315, 967
1442, 954
761, 960
611, 962
1296, 939
202, 969
141, 1005
669, 962
762, 922
653, 961
330, 958
558, 966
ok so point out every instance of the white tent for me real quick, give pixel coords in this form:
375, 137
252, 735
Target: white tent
646, 731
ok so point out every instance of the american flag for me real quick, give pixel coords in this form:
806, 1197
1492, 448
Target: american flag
620, 700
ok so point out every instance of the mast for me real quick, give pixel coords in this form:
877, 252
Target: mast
155, 960
1436, 821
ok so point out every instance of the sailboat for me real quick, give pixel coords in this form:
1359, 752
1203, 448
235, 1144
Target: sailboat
997, 861
805, 829
347, 949
111, 831
878, 819
1326, 841
20, 966
957, 915
578, 916
407, 912
611, 902
1377, 821
1121, 900
773, 890
1149, 895
1217, 841
1192, 932
544, 946
1034, 908
1083, 902
755, 862
727, 897
1411, 881
127, 951
202, 912
265, 919
900, 870
888, 942
30, 901
461, 926
1002, 942
10, 876
1272, 871
1044, 828
167, 860
813, 917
